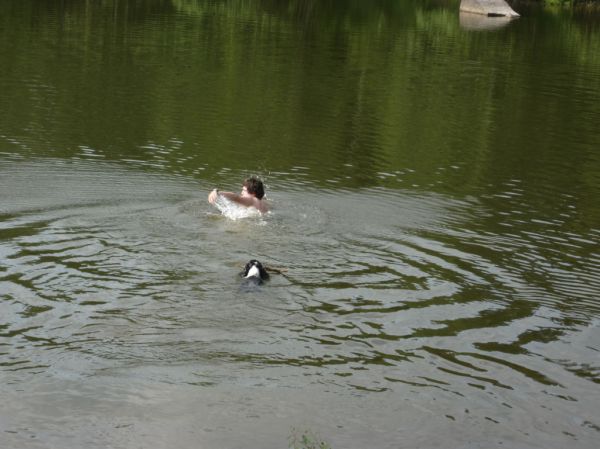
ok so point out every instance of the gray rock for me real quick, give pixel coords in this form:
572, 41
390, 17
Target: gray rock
492, 8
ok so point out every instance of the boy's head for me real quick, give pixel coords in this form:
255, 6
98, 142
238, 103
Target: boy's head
255, 187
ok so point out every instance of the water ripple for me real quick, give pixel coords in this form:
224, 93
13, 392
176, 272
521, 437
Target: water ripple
384, 290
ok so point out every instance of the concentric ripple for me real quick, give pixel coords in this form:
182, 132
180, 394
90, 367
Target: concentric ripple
382, 292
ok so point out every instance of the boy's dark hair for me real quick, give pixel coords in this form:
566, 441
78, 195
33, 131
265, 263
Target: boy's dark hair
255, 186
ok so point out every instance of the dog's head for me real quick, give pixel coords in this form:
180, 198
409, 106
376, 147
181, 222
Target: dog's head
254, 269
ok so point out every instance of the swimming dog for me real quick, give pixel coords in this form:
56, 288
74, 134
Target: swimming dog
254, 273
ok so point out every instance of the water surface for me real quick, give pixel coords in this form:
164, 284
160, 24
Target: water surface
435, 195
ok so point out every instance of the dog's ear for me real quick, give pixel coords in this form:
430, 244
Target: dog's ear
244, 273
263, 273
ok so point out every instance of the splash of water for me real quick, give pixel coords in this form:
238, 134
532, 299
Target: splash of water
234, 211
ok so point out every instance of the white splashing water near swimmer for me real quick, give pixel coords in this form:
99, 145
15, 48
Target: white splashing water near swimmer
234, 211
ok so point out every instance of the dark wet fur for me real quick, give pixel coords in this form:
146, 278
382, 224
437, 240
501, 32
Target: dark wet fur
257, 279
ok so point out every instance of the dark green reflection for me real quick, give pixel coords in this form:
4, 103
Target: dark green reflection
347, 89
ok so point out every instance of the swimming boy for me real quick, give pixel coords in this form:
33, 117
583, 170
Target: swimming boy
252, 195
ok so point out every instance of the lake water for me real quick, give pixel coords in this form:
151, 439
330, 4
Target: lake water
435, 187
